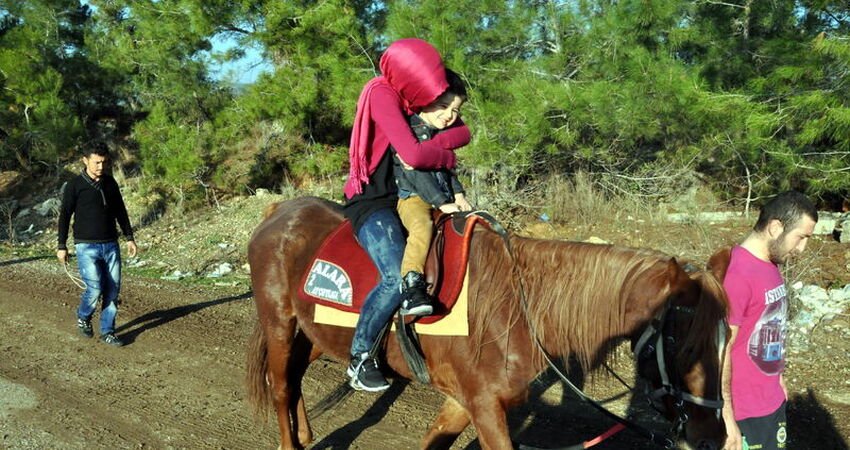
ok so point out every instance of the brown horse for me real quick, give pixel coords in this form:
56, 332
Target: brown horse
582, 300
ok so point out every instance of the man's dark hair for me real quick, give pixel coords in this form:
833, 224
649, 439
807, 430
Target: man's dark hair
788, 208
456, 84
96, 148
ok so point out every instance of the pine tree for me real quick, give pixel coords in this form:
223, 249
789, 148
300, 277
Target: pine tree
748, 96
40, 40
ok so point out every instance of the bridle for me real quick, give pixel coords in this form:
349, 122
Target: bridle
659, 345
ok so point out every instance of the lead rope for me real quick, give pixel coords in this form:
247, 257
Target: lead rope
661, 441
77, 280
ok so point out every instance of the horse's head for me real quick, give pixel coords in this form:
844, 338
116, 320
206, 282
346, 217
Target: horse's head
679, 354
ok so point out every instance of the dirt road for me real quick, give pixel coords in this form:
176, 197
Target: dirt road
179, 381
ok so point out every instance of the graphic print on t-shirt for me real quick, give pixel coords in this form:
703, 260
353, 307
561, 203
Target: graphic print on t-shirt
767, 342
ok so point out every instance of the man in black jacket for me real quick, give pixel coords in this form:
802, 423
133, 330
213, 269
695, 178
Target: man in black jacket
95, 201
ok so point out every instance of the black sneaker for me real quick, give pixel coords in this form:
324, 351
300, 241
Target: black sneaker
365, 374
85, 327
414, 300
109, 338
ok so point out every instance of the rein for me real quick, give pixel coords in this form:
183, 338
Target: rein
667, 389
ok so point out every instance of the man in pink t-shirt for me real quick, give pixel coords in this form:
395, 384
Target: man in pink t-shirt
753, 387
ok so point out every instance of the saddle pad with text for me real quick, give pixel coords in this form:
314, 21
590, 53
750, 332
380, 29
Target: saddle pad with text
456, 323
341, 274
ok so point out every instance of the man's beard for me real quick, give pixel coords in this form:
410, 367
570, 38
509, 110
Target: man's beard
775, 250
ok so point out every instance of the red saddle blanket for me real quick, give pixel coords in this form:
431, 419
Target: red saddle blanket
341, 274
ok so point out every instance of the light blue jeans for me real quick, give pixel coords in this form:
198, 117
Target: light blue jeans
100, 269
382, 238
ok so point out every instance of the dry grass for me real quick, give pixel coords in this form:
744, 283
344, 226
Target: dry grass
580, 200
205, 237
578, 208
582, 208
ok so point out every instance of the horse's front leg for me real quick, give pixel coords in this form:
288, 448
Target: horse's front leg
451, 421
489, 419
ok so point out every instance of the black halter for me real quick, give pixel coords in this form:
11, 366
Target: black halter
658, 343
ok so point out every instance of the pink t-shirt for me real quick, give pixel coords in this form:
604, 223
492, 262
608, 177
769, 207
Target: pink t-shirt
758, 304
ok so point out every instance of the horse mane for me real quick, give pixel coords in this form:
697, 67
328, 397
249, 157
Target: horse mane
581, 288
710, 311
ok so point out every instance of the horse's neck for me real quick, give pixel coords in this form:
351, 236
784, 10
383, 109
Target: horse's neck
583, 298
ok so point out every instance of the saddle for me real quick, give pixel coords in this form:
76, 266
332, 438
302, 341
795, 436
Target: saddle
342, 274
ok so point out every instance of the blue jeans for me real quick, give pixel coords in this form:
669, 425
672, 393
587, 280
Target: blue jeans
382, 238
100, 269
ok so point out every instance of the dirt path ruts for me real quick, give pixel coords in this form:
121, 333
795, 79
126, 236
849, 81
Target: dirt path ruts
179, 382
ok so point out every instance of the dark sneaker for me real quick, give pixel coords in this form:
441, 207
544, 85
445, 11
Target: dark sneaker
415, 301
109, 338
85, 327
365, 374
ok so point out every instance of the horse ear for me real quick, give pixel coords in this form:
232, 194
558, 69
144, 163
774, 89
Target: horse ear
676, 274
270, 209
719, 262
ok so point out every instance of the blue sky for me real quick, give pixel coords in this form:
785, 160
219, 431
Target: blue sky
242, 71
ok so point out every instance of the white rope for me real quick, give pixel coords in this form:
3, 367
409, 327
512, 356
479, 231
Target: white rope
77, 280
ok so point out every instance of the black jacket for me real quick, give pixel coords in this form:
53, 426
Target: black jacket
96, 207
435, 187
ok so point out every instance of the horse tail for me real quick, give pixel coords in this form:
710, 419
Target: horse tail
259, 394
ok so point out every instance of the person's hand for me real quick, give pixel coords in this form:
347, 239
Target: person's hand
404, 165
462, 203
734, 441
449, 208
132, 249
62, 256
